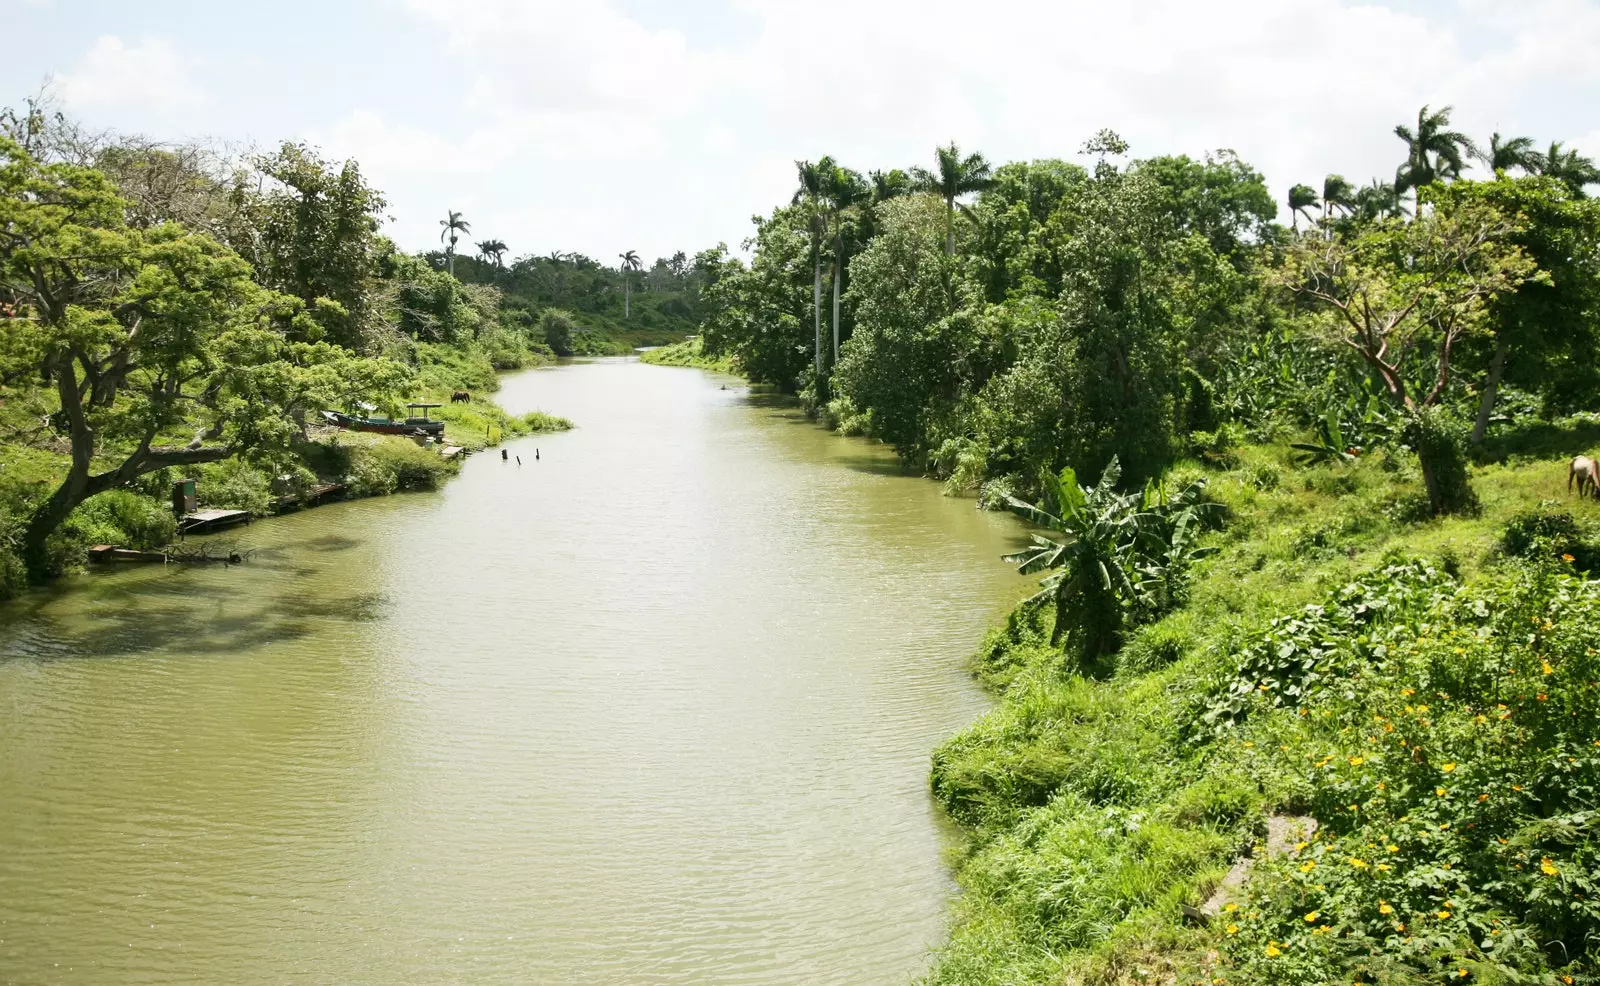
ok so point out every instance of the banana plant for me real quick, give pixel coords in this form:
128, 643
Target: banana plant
1091, 580
1330, 446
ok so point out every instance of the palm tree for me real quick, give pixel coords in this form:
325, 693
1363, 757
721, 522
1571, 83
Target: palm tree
888, 185
1433, 153
630, 265
1378, 200
1566, 166
844, 191
957, 176
1337, 193
494, 250
452, 225
1505, 154
812, 178
1302, 199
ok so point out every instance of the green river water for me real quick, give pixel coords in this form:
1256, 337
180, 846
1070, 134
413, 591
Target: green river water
656, 708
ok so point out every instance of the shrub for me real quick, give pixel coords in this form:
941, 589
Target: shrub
556, 328
1441, 444
1538, 534
235, 485
388, 464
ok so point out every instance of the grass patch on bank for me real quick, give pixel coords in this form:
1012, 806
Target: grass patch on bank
690, 352
1424, 688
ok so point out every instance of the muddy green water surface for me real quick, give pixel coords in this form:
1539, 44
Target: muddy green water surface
656, 708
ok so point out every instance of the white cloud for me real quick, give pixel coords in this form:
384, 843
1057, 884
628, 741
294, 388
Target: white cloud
583, 127
149, 76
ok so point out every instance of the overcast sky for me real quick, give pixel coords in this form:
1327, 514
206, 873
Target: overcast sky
607, 125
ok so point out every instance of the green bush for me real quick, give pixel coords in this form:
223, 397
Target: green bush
1441, 444
123, 518
233, 484
1547, 535
388, 464
556, 328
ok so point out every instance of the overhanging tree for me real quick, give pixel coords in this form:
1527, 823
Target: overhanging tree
160, 348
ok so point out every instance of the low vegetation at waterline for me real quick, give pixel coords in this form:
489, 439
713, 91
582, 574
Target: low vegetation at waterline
689, 352
1428, 691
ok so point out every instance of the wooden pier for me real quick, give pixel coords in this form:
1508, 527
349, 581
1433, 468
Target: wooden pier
201, 521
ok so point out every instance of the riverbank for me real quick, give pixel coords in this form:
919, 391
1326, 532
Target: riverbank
139, 515
1336, 660
691, 353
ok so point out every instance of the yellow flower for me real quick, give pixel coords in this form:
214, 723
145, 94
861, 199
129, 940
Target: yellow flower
1233, 929
1230, 908
1443, 915
1548, 867
1393, 848
1408, 691
1399, 926
1273, 951
1298, 846
1439, 791
1461, 973
1447, 768
1546, 668
1384, 908
1312, 917
1384, 867
1357, 761
1567, 558
1308, 866
1358, 862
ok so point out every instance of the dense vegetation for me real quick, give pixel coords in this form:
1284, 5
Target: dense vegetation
1320, 583
165, 312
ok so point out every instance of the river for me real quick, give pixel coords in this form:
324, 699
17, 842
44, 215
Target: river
654, 708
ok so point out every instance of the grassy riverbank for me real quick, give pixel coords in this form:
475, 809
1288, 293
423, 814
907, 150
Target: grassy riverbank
690, 352
1425, 689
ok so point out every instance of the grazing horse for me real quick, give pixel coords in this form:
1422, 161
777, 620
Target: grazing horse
460, 397
1587, 472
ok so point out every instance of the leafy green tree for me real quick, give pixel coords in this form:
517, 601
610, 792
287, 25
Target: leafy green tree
1302, 199
1433, 153
1568, 166
1505, 153
161, 349
1220, 198
955, 176
845, 193
315, 236
453, 226
630, 265
1543, 336
556, 326
1395, 316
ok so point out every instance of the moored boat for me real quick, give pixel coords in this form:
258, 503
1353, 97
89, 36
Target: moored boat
414, 425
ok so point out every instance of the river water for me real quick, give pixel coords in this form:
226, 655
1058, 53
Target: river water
655, 708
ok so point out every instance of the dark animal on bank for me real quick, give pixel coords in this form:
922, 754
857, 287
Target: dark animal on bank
460, 397
1587, 472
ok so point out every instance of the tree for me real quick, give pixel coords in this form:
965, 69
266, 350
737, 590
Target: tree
1302, 199
1337, 193
494, 251
813, 180
1401, 296
453, 224
844, 192
315, 236
1567, 166
1503, 154
1433, 153
557, 328
161, 348
629, 266
956, 176
889, 184
1378, 200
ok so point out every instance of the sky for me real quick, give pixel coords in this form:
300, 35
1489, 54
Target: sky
602, 126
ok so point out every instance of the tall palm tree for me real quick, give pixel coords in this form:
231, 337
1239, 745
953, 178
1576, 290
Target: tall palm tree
494, 250
812, 178
1337, 193
1433, 153
1503, 154
844, 191
889, 184
957, 177
1302, 199
1566, 166
453, 225
630, 266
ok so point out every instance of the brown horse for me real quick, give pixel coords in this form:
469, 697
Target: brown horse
460, 397
1587, 472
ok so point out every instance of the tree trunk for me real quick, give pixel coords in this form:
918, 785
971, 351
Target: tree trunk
949, 227
627, 298
50, 516
838, 270
1491, 390
816, 305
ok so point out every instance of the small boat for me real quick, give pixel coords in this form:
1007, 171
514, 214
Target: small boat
413, 425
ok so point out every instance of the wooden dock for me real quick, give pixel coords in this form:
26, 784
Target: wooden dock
202, 521
312, 497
